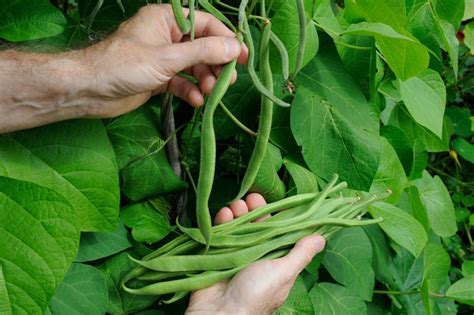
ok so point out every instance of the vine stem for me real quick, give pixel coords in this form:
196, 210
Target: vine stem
237, 121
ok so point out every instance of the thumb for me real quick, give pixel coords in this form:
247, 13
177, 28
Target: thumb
212, 50
303, 252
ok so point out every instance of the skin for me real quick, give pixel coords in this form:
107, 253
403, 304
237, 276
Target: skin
262, 287
142, 58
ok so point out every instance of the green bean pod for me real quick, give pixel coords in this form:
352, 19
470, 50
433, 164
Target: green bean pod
285, 59
217, 14
206, 279
176, 297
192, 18
183, 23
266, 115
302, 41
208, 152
221, 261
245, 29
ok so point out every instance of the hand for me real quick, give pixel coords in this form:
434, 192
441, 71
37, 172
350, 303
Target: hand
261, 287
147, 52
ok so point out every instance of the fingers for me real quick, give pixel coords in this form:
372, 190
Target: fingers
302, 254
255, 201
224, 215
206, 78
208, 50
185, 90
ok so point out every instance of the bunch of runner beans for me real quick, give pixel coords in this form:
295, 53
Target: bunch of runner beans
201, 257
181, 265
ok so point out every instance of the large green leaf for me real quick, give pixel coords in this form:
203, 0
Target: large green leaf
305, 181
460, 120
96, 245
148, 225
267, 182
333, 299
381, 252
375, 29
141, 155
121, 302
298, 301
436, 263
401, 227
390, 12
435, 197
75, 159
463, 290
425, 98
348, 259
285, 25
449, 10
464, 149
416, 133
390, 175
24, 20
331, 144
83, 291
39, 237
325, 76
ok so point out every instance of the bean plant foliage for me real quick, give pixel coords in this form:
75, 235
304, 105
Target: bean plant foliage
383, 99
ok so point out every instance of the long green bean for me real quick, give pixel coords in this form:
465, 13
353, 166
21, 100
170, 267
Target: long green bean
183, 24
266, 116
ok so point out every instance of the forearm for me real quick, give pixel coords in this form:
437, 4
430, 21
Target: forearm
37, 89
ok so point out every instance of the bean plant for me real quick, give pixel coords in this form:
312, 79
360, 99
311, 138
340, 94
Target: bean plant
352, 118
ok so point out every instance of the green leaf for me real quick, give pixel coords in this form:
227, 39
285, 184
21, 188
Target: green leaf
326, 76
462, 291
305, 180
435, 197
468, 10
39, 237
325, 17
83, 291
98, 245
381, 252
390, 12
148, 225
331, 144
375, 29
28, 20
425, 98
298, 301
73, 158
267, 182
460, 120
401, 143
333, 299
348, 259
390, 175
141, 155
121, 302
449, 10
469, 36
468, 268
285, 25
436, 263
416, 133
464, 149
418, 209
356, 61
401, 227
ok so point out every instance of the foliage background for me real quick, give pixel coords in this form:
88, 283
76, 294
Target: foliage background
385, 100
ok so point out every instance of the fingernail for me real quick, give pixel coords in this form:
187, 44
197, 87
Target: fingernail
320, 242
232, 47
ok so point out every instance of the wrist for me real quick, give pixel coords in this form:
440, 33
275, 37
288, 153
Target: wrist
42, 88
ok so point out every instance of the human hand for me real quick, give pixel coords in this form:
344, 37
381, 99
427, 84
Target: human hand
261, 287
143, 57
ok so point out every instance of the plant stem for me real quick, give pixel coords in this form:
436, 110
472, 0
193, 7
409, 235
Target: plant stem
388, 292
237, 121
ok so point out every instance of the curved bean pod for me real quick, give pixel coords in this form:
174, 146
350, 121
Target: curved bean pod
266, 116
216, 13
208, 152
183, 23
285, 59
